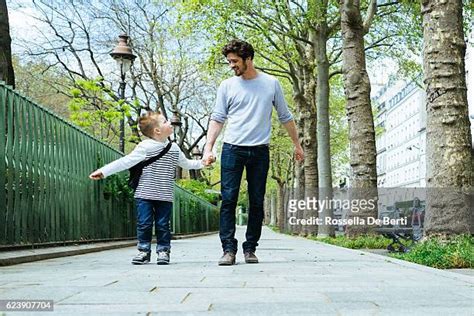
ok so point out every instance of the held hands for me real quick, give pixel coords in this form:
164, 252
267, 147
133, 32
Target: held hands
208, 158
96, 175
209, 161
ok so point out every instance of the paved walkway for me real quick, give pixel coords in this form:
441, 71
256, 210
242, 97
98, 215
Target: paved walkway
295, 277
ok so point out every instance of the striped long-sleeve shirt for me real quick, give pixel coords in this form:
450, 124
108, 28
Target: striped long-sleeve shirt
157, 179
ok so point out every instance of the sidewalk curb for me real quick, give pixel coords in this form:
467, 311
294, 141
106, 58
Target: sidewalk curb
177, 237
57, 252
407, 264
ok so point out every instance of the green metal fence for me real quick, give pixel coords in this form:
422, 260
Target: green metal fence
192, 214
47, 196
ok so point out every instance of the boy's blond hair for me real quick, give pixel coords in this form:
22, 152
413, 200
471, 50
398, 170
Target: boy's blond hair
148, 122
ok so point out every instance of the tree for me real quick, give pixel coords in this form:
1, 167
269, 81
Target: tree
34, 81
166, 75
280, 35
339, 131
281, 165
324, 27
295, 40
6, 65
448, 136
363, 155
93, 108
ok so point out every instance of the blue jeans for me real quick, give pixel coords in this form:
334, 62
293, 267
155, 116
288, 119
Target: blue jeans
256, 161
159, 212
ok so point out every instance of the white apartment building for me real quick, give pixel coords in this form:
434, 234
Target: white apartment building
470, 85
401, 125
401, 135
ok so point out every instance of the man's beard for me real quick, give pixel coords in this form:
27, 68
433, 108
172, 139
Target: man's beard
240, 71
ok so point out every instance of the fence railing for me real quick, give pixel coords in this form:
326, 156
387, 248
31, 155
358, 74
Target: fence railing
192, 214
47, 196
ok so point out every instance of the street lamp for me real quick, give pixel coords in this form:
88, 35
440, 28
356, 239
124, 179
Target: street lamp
176, 123
124, 57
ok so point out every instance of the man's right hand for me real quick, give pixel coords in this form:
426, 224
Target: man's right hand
208, 157
299, 153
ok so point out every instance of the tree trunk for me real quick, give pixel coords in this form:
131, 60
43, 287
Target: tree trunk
448, 136
6, 66
323, 130
281, 207
299, 166
359, 112
267, 209
310, 167
310, 144
273, 210
295, 193
299, 179
287, 214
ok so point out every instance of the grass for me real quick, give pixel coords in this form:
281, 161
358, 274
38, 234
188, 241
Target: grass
361, 242
457, 253
454, 254
274, 228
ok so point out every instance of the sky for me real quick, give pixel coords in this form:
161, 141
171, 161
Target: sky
22, 23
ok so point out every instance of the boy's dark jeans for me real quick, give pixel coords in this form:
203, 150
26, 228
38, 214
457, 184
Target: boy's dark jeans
157, 212
256, 161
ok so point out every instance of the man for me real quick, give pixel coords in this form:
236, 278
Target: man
246, 102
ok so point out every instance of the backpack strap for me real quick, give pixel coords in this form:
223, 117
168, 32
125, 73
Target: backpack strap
155, 158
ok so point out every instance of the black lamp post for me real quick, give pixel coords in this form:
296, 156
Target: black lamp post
176, 123
196, 153
124, 57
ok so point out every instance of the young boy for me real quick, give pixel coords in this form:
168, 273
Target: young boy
154, 194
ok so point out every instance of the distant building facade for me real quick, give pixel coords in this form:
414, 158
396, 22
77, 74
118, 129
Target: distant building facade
401, 136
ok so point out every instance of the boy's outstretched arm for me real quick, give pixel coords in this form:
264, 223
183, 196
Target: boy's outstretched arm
126, 162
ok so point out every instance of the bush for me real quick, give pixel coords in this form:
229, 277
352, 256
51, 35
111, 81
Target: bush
199, 188
455, 253
116, 187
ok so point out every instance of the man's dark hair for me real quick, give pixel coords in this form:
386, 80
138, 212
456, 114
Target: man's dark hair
240, 48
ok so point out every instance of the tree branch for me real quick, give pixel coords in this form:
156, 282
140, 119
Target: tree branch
370, 15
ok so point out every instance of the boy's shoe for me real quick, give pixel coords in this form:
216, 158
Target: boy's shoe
141, 258
163, 258
250, 257
227, 259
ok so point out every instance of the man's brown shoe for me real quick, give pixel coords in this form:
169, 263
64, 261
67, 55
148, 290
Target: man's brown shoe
250, 257
227, 259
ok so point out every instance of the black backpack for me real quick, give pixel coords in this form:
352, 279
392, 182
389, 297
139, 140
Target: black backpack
136, 171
